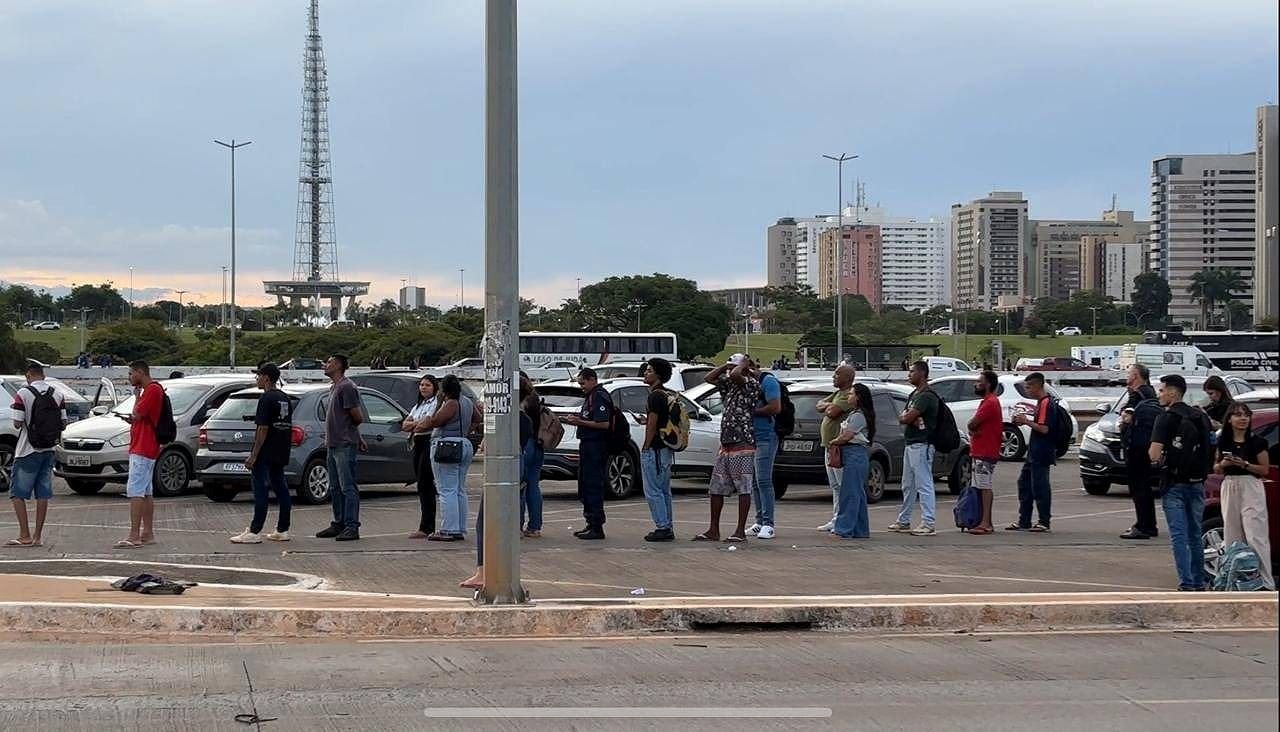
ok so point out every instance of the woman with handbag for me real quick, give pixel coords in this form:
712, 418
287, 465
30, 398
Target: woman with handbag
451, 455
417, 424
853, 445
531, 458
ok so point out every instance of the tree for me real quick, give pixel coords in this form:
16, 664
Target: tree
104, 300
1151, 298
138, 339
11, 359
664, 303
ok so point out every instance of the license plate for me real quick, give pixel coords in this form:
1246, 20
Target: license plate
234, 468
797, 445
78, 461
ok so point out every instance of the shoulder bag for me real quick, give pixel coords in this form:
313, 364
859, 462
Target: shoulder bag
448, 451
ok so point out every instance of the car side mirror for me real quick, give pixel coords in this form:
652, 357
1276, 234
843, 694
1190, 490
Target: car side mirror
704, 415
99, 410
1103, 409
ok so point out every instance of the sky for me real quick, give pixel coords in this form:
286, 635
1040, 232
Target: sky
656, 136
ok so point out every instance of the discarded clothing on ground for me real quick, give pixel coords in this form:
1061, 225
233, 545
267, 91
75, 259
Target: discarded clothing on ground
152, 584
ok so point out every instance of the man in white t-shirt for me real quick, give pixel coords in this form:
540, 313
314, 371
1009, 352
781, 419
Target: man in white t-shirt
39, 414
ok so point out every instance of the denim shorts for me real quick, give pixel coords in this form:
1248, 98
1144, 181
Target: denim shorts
141, 469
32, 476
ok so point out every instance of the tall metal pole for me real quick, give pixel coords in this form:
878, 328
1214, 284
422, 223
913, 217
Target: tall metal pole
180, 294
232, 147
222, 309
840, 161
502, 310
131, 294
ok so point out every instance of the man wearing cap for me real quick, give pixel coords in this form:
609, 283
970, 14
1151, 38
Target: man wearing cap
38, 414
271, 443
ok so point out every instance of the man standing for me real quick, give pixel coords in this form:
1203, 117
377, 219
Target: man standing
144, 450
593, 423
39, 414
834, 409
342, 439
919, 420
1033, 482
734, 471
1180, 445
986, 430
1135, 434
655, 456
271, 444
768, 405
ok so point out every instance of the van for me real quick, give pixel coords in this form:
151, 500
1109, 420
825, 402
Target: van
1165, 359
944, 364
1104, 357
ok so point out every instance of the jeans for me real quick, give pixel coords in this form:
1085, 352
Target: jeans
531, 497
32, 476
1144, 500
343, 491
1183, 507
762, 490
480, 533
268, 479
852, 521
593, 463
655, 465
1033, 487
426, 484
917, 483
451, 486
834, 478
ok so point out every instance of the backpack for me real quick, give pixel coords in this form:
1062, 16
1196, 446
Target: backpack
45, 428
784, 422
1061, 429
550, 429
675, 433
1145, 414
166, 428
618, 436
945, 436
1239, 570
968, 508
1188, 457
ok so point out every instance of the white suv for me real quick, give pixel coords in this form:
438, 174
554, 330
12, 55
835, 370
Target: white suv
1070, 330
957, 392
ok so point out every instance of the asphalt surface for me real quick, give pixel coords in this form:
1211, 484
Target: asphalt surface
1082, 554
1163, 681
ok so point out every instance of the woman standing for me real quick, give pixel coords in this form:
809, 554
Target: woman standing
856, 434
451, 455
418, 424
1243, 461
1220, 400
531, 457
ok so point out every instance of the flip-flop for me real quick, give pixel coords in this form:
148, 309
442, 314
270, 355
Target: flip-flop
21, 543
126, 544
980, 530
703, 537
1016, 527
471, 585
735, 540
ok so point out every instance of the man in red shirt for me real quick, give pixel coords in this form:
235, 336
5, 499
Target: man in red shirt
986, 430
144, 449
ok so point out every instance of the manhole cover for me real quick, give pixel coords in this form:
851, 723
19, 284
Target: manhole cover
122, 568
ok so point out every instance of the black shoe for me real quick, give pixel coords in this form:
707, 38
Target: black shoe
660, 535
347, 534
330, 532
1135, 534
583, 532
592, 535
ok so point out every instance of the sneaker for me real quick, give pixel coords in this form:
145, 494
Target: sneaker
348, 534
246, 537
828, 526
278, 536
923, 530
592, 535
753, 529
900, 528
660, 535
329, 533
766, 532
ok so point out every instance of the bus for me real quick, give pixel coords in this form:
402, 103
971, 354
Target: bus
538, 349
1229, 350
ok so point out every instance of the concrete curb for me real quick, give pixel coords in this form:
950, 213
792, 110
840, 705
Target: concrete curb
911, 613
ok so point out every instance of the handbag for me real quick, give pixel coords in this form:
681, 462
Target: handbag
835, 457
448, 451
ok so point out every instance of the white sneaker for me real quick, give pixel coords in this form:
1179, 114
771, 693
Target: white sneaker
248, 537
753, 530
827, 526
923, 530
766, 532
899, 527
278, 536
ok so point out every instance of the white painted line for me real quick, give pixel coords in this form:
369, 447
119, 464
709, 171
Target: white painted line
1091, 515
627, 713
1046, 581
607, 587
125, 528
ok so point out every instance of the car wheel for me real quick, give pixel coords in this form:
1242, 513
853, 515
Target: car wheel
875, 481
1096, 487
1211, 538
220, 493
622, 475
6, 465
780, 488
172, 474
85, 487
961, 475
314, 488
1012, 446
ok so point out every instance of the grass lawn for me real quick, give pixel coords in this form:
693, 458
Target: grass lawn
767, 347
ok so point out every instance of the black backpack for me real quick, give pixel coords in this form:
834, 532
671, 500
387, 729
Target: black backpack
1061, 429
784, 422
618, 438
1188, 456
944, 436
45, 428
166, 428
1138, 433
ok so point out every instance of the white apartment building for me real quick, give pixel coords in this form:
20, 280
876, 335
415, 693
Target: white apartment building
1123, 263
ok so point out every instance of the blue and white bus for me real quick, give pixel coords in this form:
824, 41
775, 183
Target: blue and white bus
538, 349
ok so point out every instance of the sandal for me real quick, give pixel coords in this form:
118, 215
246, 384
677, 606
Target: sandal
735, 539
704, 536
127, 544
1016, 527
534, 534
21, 543
980, 530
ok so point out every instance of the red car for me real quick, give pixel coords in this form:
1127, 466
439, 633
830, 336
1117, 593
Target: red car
1061, 363
1266, 424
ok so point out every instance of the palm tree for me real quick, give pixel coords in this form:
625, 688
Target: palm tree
1212, 286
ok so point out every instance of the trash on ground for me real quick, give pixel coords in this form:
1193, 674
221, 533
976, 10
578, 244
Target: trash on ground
152, 584
638, 591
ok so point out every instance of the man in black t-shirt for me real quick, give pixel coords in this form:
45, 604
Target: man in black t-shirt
272, 440
1137, 464
655, 456
1181, 435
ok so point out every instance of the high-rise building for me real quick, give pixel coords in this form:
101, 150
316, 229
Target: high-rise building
1093, 262
1202, 211
988, 241
780, 254
858, 272
1123, 262
1266, 285
413, 298
1057, 251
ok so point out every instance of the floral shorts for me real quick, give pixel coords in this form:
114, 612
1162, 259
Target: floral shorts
735, 472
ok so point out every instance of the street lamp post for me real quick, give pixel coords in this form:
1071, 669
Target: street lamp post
180, 294
1094, 308
840, 161
131, 294
462, 290
222, 307
82, 312
233, 146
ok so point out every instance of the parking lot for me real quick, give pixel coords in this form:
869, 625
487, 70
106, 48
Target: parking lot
1082, 554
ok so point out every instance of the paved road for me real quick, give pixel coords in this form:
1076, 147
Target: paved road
1128, 680
1083, 553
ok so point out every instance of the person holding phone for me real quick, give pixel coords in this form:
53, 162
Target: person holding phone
592, 422
1243, 461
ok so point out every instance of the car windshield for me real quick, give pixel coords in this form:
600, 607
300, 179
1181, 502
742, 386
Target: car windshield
237, 407
807, 405
563, 397
181, 396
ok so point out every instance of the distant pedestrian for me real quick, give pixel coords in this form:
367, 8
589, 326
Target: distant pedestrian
655, 456
734, 471
1243, 460
855, 439
1220, 400
1033, 482
986, 432
531, 458
272, 442
593, 421
919, 420
342, 441
834, 409
768, 404
451, 456
144, 450
1179, 444
39, 414
418, 424
1137, 420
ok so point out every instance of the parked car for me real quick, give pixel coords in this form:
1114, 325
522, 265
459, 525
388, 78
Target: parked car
1102, 459
78, 408
302, 364
1267, 396
46, 325
1070, 330
802, 459
944, 330
1264, 426
684, 376
1059, 363
957, 392
227, 437
95, 451
623, 473
1027, 364
402, 387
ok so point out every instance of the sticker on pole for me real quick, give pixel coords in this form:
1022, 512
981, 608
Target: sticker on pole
497, 388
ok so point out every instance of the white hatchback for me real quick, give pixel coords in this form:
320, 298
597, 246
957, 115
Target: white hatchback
957, 392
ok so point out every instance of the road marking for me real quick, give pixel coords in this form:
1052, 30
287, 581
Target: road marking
122, 527
1046, 581
627, 712
1090, 515
607, 587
